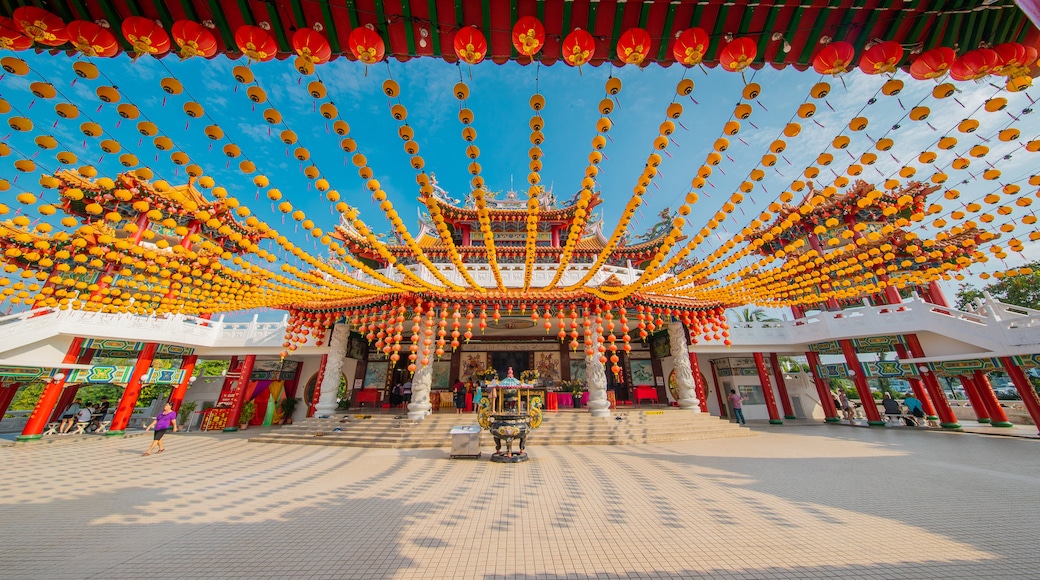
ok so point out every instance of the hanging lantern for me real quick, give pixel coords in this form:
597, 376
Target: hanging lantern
883, 57
91, 39
256, 43
975, 64
933, 64
634, 46
146, 36
194, 39
40, 25
470, 45
1012, 57
366, 45
691, 46
578, 48
528, 35
11, 38
834, 59
311, 45
738, 54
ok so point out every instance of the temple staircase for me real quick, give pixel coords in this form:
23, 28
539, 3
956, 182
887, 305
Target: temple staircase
623, 427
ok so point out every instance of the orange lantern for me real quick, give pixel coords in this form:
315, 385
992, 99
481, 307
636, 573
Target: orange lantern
933, 64
366, 45
91, 39
834, 59
528, 36
1012, 59
146, 36
691, 46
975, 64
40, 25
738, 54
578, 48
311, 45
194, 39
883, 57
470, 45
11, 38
256, 43
633, 46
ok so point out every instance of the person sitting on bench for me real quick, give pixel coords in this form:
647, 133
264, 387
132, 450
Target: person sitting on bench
891, 406
68, 417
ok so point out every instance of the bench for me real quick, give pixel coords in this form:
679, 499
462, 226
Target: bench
52, 428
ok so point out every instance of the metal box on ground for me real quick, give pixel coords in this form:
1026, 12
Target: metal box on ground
465, 441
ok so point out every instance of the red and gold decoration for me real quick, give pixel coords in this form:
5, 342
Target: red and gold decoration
366, 45
691, 46
11, 37
634, 46
193, 39
528, 35
738, 54
146, 36
470, 45
578, 48
41, 26
91, 39
257, 44
882, 58
835, 59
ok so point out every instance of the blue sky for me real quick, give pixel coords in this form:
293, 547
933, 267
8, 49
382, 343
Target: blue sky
499, 99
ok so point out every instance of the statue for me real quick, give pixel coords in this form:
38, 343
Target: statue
660, 228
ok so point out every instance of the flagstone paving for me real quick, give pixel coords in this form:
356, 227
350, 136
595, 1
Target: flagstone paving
793, 502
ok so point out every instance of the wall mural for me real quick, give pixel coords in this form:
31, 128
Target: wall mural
375, 375
578, 370
548, 366
642, 372
472, 363
441, 374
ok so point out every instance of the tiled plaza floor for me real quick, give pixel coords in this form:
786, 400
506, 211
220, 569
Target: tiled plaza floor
794, 502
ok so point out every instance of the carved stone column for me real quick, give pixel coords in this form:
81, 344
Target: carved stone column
422, 381
333, 372
681, 363
596, 379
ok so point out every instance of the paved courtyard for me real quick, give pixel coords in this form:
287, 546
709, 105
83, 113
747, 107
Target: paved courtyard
794, 502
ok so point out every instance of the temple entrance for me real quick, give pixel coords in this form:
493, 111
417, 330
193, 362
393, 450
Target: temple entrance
519, 360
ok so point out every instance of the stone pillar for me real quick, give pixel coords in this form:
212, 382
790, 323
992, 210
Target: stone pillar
125, 409
422, 383
781, 385
860, 379
977, 405
1024, 387
596, 381
989, 398
767, 389
681, 366
332, 372
823, 390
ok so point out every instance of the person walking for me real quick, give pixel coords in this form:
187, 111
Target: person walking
738, 407
460, 397
161, 424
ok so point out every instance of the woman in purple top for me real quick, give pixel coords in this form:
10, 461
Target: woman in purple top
161, 424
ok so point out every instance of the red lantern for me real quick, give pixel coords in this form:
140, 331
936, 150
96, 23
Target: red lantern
633, 46
366, 45
40, 25
691, 46
146, 36
11, 38
194, 39
1012, 59
256, 43
933, 63
528, 36
834, 59
91, 39
578, 48
975, 64
881, 58
311, 45
470, 45
738, 55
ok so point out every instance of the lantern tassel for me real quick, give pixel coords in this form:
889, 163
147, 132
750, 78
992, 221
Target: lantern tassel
683, 126
695, 102
829, 106
753, 125
818, 124
759, 103
959, 102
930, 126
742, 141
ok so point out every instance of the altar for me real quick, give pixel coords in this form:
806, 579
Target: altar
499, 400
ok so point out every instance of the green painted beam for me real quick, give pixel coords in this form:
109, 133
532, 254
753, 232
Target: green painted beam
568, 8
940, 23
846, 20
514, 15
868, 26
189, 9
330, 27
409, 30
279, 28
113, 17
982, 30
435, 27
381, 22
222, 24
619, 13
956, 25
459, 14
817, 31
247, 14
767, 31
1005, 21
164, 14
301, 19
134, 7
791, 31
540, 12
351, 14
669, 20
718, 31
644, 13
62, 9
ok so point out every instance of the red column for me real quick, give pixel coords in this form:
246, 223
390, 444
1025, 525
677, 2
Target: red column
142, 227
767, 389
7, 393
42, 412
781, 385
814, 243
977, 406
698, 381
989, 398
465, 234
919, 390
68, 395
935, 295
946, 417
240, 395
133, 390
317, 386
822, 389
860, 379
723, 411
1025, 388
188, 366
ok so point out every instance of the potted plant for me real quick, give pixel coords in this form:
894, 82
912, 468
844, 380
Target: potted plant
529, 377
288, 407
248, 410
576, 389
184, 413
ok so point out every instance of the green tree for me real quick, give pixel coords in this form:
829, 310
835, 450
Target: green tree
27, 396
1021, 290
211, 368
755, 315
